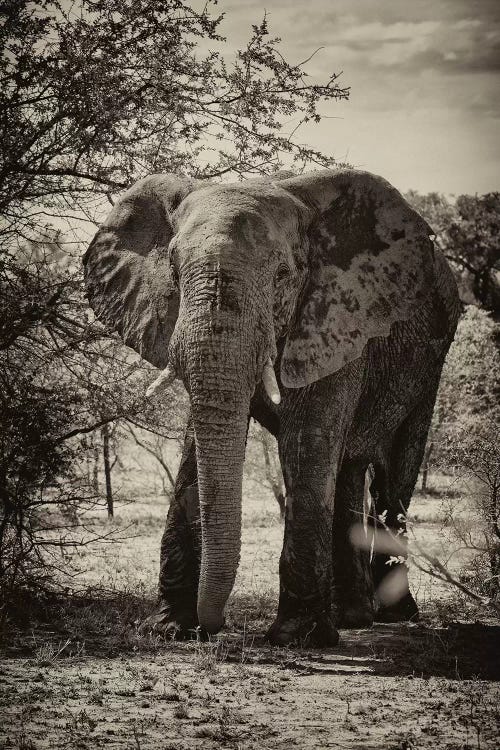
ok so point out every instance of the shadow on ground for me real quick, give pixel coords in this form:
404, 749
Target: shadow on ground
105, 624
458, 651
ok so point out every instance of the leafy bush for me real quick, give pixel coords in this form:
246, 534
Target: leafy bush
469, 393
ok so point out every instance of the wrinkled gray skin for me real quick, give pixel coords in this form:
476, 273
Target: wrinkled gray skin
334, 277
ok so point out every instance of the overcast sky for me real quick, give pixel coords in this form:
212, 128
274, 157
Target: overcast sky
424, 109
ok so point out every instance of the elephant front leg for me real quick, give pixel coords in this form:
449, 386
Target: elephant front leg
304, 611
176, 615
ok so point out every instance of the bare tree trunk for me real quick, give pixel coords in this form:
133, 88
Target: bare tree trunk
107, 469
272, 472
95, 467
425, 465
493, 519
157, 454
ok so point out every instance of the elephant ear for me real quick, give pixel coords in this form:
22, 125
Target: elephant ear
128, 275
371, 264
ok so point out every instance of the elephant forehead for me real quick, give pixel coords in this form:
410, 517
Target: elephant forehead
215, 203
227, 219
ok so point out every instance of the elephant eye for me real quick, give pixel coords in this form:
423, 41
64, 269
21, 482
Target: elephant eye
282, 273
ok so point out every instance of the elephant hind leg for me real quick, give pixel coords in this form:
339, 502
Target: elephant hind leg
352, 576
395, 479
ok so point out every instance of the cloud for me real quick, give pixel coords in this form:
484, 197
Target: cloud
424, 109
356, 33
465, 45
449, 35
395, 54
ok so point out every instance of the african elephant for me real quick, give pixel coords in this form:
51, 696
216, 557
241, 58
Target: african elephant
316, 304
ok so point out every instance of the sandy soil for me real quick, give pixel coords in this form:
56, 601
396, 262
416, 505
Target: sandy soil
88, 682
207, 697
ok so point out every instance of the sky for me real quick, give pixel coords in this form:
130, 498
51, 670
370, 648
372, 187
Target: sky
424, 107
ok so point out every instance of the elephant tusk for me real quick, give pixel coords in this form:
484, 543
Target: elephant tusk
164, 379
270, 382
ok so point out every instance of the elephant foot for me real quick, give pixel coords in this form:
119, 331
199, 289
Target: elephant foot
172, 624
356, 618
304, 632
404, 610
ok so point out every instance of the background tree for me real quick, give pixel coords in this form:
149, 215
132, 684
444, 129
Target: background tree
438, 212
474, 245
468, 233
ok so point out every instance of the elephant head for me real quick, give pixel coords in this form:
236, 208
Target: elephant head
216, 280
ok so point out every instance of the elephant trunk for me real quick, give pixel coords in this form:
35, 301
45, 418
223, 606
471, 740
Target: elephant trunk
219, 368
220, 450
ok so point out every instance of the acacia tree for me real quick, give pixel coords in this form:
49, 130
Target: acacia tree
94, 95
100, 92
60, 378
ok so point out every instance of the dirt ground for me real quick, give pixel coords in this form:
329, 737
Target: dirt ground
87, 678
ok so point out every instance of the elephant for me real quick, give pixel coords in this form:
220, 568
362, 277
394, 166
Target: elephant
316, 304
